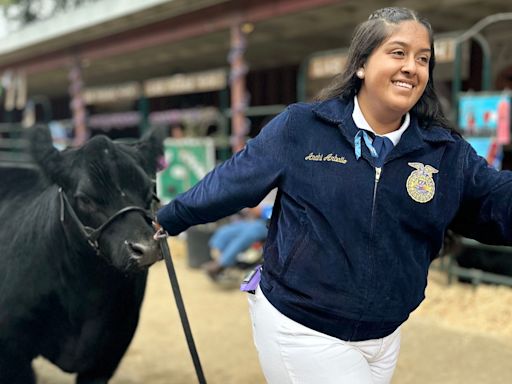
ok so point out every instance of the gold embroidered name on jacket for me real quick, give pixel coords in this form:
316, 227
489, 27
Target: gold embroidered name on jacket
330, 157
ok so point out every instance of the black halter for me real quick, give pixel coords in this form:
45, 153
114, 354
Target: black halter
92, 235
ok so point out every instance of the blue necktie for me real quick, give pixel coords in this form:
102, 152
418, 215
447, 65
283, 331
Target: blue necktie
379, 146
383, 146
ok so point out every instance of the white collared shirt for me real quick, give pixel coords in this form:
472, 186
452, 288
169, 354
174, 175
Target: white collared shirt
361, 123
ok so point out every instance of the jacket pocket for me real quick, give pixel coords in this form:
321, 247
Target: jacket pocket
297, 247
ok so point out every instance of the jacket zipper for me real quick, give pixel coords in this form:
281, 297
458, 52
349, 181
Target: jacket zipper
378, 171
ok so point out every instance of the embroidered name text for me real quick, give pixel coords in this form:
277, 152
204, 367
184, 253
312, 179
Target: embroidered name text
335, 158
313, 157
330, 157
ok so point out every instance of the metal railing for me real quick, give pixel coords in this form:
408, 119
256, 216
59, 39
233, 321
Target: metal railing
14, 147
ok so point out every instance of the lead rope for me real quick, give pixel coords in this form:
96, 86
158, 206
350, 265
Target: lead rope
164, 246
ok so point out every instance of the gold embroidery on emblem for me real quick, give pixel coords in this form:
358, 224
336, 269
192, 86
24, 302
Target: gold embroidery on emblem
420, 184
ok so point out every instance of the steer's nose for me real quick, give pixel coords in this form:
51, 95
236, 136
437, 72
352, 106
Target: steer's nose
137, 248
144, 254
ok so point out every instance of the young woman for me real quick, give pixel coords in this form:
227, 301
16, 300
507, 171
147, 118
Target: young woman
353, 231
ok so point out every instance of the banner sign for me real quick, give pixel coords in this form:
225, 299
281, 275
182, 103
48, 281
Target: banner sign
183, 83
112, 93
189, 160
327, 66
485, 115
178, 84
485, 121
445, 49
489, 149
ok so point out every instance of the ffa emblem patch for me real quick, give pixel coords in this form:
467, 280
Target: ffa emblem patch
420, 184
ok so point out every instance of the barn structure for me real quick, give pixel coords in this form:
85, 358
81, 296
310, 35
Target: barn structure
218, 67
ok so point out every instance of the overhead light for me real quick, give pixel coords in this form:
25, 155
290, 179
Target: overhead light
247, 28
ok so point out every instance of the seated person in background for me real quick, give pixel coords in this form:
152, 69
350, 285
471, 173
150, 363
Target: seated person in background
177, 131
233, 238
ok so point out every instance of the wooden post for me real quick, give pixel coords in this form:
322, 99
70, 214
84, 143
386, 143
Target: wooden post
77, 103
239, 95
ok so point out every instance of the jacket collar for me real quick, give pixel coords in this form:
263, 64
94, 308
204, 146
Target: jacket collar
339, 112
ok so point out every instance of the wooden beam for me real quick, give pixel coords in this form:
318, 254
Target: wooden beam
213, 19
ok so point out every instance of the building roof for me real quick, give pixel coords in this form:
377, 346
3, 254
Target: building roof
124, 40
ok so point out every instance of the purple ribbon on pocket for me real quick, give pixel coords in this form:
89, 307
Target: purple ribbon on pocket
251, 281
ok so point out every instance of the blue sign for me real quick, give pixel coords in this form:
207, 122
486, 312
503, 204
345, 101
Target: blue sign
485, 115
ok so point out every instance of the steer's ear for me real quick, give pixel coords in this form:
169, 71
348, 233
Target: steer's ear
44, 153
151, 149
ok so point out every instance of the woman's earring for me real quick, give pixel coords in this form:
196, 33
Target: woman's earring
360, 73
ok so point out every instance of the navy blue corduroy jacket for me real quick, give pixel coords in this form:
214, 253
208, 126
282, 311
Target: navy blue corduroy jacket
349, 250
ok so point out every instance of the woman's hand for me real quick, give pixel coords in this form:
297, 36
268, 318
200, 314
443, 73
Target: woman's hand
160, 232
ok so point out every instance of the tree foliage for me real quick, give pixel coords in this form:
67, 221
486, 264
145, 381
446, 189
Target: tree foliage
22, 12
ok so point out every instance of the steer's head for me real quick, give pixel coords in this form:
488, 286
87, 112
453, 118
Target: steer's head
100, 179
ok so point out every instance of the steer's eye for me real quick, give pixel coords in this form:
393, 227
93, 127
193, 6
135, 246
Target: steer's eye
84, 202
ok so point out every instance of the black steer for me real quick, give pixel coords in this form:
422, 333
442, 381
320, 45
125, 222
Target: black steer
499, 263
69, 293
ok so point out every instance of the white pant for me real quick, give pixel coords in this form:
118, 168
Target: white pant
291, 353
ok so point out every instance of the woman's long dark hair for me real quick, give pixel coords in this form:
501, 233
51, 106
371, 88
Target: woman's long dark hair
367, 37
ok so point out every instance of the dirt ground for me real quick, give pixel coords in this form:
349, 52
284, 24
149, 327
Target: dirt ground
460, 334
